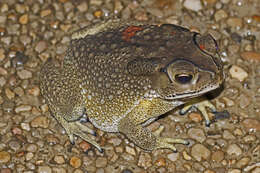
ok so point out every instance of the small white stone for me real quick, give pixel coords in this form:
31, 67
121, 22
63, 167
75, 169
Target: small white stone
194, 5
238, 73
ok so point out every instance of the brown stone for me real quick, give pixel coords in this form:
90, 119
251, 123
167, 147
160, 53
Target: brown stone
251, 124
24, 19
250, 55
75, 162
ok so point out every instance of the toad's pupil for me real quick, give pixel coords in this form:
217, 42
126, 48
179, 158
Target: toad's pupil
183, 78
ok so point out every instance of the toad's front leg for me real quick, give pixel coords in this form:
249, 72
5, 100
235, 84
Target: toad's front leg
133, 125
146, 139
201, 103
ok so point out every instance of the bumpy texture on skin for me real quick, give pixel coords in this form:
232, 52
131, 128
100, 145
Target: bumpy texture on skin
125, 74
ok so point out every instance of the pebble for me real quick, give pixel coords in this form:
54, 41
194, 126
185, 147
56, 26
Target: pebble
173, 156
59, 170
3, 71
75, 162
243, 162
23, 108
200, 152
4, 8
4, 157
52, 140
85, 146
251, 124
2, 54
96, 2
98, 13
20, 59
234, 149
3, 19
59, 159
118, 6
130, 150
256, 18
228, 101
44, 169
5, 170
238, 73
228, 135
31, 148
234, 171
115, 141
244, 101
209, 2
16, 131
24, 19
249, 138
35, 91
29, 156
101, 162
237, 38
186, 156
250, 55
161, 162
145, 160
127, 171
15, 145
24, 74
238, 132
9, 94
25, 39
209, 171
64, 28
41, 46
40, 121
194, 5
235, 22
82, 7
197, 134
256, 170
45, 13
196, 117
220, 14
6, 40
127, 157
186, 166
21, 8
217, 156
252, 166
80, 171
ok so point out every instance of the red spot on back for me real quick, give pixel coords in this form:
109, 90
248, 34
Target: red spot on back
202, 46
130, 32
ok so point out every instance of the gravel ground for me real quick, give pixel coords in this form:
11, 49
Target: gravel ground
31, 31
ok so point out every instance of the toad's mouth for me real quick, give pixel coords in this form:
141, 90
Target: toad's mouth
192, 94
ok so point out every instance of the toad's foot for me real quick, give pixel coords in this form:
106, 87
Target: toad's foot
201, 104
163, 142
78, 129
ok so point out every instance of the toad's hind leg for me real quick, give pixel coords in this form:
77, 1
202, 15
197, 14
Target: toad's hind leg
78, 129
62, 90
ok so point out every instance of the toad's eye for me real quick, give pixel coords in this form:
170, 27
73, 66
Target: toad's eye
183, 78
